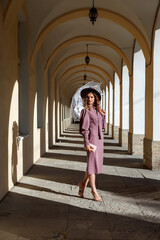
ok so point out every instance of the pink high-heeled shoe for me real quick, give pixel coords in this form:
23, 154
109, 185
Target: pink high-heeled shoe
96, 196
81, 189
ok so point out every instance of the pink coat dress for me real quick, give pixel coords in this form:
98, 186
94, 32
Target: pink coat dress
92, 123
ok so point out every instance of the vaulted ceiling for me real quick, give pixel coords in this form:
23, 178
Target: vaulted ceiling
62, 28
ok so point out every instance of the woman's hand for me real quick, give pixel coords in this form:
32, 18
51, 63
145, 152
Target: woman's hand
88, 148
103, 111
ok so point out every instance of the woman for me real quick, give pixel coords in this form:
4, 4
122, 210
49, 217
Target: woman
92, 121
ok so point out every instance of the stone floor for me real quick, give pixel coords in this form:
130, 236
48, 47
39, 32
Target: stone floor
44, 205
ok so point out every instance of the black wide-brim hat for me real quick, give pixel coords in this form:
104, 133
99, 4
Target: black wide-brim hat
90, 89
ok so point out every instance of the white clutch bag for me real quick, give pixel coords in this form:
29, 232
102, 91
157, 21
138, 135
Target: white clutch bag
93, 147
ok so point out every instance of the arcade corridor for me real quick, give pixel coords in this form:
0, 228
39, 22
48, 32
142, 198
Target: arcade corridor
49, 49
45, 205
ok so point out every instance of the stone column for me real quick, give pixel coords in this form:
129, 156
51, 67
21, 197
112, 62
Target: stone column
130, 133
151, 156
123, 137
111, 110
148, 140
135, 144
108, 124
151, 142
115, 132
113, 101
57, 109
107, 109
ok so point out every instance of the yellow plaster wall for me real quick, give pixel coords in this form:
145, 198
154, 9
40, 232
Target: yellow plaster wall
3, 117
149, 102
52, 113
9, 103
66, 102
82, 66
81, 73
131, 104
99, 40
44, 130
35, 132
11, 163
92, 55
103, 13
16, 159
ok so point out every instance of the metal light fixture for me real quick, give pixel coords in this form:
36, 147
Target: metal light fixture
93, 14
87, 59
85, 76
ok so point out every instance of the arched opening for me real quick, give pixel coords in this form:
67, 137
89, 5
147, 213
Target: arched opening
156, 87
125, 107
39, 77
15, 164
136, 138
116, 108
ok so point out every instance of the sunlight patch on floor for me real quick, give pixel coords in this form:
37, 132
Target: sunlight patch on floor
112, 203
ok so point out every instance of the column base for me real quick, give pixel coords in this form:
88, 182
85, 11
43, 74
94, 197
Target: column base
109, 129
66, 122
123, 137
115, 132
135, 144
106, 130
151, 157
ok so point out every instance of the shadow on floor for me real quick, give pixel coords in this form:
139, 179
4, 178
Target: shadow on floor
47, 206
127, 161
119, 152
121, 185
63, 140
35, 218
71, 136
65, 156
63, 147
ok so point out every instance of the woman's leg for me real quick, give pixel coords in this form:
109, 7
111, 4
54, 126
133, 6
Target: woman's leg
85, 179
83, 184
92, 179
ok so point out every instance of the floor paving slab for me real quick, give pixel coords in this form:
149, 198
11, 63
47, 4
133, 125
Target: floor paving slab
44, 204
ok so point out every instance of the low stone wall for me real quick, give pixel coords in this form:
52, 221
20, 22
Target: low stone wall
110, 129
135, 144
66, 123
123, 137
151, 155
106, 128
115, 132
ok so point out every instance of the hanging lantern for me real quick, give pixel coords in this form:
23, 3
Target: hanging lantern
85, 77
93, 14
87, 59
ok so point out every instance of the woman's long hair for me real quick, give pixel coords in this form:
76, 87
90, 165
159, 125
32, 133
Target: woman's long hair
96, 103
